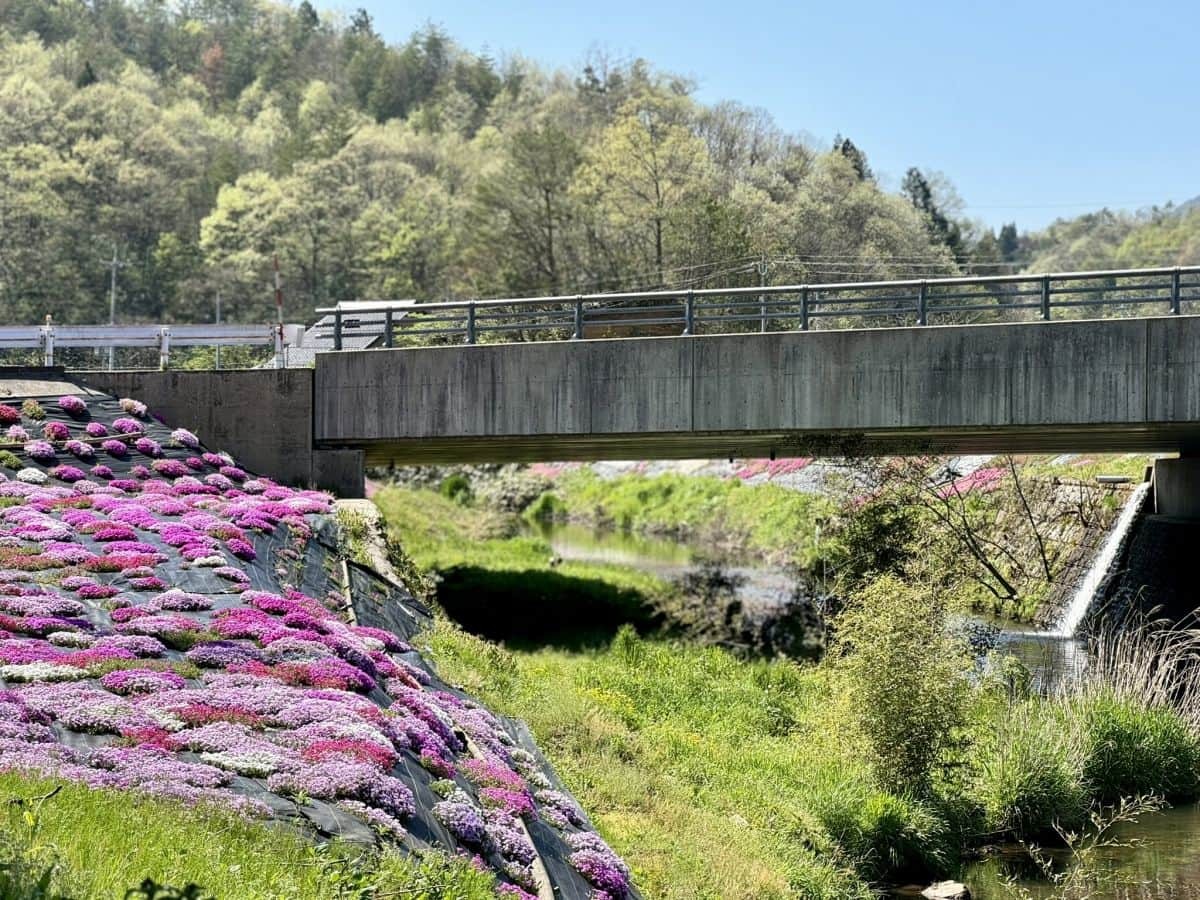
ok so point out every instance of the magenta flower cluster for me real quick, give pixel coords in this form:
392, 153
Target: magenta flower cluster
72, 405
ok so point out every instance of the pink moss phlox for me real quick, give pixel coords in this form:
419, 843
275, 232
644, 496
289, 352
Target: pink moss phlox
493, 773
597, 862
169, 468
155, 626
150, 447
93, 591
462, 819
183, 438
42, 451
93, 655
56, 431
221, 654
389, 640
68, 474
241, 549
981, 481
141, 681
72, 405
559, 808
177, 600
383, 758
80, 450
340, 779
117, 562
517, 803
142, 646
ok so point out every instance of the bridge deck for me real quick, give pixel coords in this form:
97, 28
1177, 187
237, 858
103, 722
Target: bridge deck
1091, 385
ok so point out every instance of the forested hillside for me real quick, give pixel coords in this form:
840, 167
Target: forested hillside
196, 141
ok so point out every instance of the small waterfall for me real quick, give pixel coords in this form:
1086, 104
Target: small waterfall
1081, 601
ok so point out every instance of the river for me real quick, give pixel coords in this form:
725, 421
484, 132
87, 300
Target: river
1160, 859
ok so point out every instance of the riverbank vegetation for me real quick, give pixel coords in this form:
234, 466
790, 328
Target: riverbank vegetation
895, 759
720, 777
766, 521
1009, 537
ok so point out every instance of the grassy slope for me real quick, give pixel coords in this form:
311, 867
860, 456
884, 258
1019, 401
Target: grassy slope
766, 519
712, 776
103, 843
717, 777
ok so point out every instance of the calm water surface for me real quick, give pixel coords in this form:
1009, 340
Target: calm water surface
1165, 864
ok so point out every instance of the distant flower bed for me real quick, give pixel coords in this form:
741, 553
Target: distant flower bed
980, 481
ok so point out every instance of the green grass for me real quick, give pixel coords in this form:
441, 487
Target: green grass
102, 843
713, 776
765, 519
1136, 749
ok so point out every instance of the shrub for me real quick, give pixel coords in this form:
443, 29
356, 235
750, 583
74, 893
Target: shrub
1135, 749
1029, 771
890, 838
906, 679
548, 507
456, 487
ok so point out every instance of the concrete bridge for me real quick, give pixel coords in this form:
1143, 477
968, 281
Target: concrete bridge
1083, 385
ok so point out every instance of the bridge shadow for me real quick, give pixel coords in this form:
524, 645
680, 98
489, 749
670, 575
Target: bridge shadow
531, 608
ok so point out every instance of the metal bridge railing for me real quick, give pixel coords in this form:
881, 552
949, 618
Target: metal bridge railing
51, 337
970, 299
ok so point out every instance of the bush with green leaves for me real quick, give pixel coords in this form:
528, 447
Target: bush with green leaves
905, 681
456, 487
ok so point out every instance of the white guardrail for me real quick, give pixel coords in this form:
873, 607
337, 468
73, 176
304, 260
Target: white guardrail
51, 337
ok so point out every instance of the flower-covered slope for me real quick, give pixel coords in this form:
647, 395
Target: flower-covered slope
172, 624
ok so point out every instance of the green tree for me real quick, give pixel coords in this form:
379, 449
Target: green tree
647, 164
524, 205
942, 228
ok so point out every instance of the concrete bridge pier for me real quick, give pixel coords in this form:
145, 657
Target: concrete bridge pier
1177, 487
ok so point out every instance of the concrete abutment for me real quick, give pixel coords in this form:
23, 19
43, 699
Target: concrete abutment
264, 417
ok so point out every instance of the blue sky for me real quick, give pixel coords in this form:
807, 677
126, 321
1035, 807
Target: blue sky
1033, 110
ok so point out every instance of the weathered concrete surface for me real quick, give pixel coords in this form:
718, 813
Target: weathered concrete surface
1061, 386
1177, 488
262, 416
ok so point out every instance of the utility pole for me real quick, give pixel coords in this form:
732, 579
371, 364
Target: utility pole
114, 264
